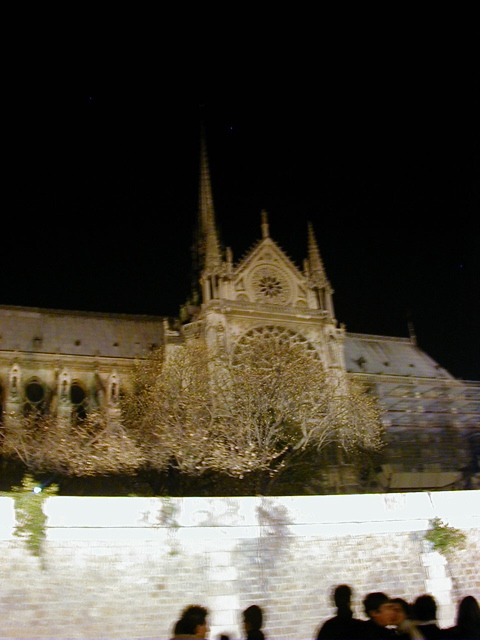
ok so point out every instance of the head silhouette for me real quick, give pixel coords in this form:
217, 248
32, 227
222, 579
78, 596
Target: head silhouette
468, 617
425, 608
342, 596
253, 618
194, 620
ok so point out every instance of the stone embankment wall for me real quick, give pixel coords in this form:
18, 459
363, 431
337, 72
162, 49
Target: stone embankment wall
125, 567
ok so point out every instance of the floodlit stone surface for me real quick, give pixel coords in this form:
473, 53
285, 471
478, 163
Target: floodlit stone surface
111, 569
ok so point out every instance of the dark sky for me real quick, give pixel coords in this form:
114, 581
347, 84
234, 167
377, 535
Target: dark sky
380, 152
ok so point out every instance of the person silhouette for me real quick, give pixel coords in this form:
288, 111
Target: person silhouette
253, 622
342, 625
467, 625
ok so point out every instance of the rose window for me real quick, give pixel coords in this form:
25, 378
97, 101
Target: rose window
270, 285
275, 335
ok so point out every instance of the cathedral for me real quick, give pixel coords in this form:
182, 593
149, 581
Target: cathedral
73, 362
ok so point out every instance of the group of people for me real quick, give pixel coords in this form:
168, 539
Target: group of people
395, 618
386, 619
193, 623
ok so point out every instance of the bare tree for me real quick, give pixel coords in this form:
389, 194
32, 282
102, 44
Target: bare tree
249, 411
96, 445
171, 408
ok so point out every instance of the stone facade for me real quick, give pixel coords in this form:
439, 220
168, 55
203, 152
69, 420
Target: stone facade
74, 362
122, 568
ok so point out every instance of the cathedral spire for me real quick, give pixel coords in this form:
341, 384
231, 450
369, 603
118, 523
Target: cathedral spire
210, 259
317, 279
209, 245
265, 231
316, 269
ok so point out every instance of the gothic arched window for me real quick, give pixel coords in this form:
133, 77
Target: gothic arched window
78, 399
279, 335
35, 397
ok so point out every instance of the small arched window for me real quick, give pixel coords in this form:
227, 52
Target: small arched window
473, 440
78, 398
35, 397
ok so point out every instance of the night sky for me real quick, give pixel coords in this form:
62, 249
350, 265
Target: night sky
381, 155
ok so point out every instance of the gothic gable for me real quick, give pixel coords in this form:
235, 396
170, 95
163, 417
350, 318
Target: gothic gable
267, 276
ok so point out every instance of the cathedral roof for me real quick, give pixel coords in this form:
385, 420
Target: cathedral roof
390, 356
78, 333
127, 336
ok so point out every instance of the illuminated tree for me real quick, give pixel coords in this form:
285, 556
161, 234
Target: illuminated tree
254, 410
98, 444
265, 407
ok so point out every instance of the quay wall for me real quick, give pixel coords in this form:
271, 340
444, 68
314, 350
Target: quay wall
123, 567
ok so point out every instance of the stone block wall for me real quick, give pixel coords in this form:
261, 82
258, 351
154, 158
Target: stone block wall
125, 567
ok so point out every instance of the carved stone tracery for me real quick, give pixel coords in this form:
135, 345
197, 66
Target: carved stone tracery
281, 335
269, 284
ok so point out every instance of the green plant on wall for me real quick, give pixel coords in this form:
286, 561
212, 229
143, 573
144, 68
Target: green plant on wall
30, 518
444, 538
167, 516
